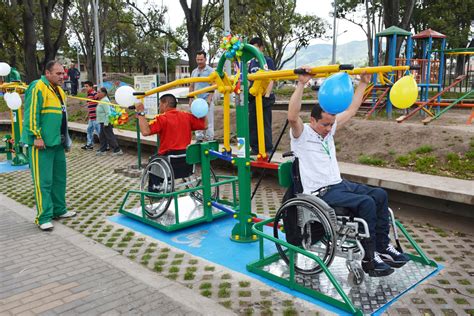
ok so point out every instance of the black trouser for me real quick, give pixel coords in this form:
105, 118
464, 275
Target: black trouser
74, 86
107, 136
267, 122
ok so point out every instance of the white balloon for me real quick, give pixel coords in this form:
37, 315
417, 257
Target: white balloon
14, 101
6, 96
4, 69
124, 96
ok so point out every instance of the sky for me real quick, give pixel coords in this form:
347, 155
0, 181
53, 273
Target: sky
322, 8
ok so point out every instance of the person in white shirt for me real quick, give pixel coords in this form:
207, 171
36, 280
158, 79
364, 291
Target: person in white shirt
313, 144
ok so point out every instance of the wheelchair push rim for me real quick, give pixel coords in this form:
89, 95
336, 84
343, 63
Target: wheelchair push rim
159, 168
325, 247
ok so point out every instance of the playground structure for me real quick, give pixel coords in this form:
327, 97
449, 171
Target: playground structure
13, 150
304, 268
433, 73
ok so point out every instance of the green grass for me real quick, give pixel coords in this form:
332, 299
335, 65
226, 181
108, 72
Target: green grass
373, 161
452, 165
286, 92
426, 164
423, 149
3, 106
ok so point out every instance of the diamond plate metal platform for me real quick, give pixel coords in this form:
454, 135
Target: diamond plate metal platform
371, 295
189, 209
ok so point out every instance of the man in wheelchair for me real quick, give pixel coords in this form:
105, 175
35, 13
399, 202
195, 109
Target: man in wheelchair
174, 127
313, 145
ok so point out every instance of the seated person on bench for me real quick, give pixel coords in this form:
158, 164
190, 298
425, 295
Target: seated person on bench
174, 127
313, 144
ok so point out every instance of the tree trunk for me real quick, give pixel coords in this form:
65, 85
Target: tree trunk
51, 46
392, 17
369, 35
29, 41
193, 25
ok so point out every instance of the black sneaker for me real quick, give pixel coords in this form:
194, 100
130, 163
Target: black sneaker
376, 267
87, 147
393, 257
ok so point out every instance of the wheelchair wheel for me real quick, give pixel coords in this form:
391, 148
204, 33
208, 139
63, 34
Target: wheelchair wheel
157, 177
356, 273
197, 195
309, 225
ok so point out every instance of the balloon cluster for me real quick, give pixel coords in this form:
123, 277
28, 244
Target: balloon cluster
117, 116
233, 46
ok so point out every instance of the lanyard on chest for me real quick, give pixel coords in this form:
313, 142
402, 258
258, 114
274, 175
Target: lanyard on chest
325, 145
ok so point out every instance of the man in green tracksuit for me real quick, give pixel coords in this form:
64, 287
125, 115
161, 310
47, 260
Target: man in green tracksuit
46, 134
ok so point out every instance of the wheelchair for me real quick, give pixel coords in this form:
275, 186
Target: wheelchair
310, 223
167, 174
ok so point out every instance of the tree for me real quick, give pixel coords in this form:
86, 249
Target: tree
199, 20
281, 27
366, 15
81, 23
11, 34
51, 46
29, 39
452, 18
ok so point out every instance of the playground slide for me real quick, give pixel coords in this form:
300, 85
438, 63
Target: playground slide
432, 118
379, 102
421, 106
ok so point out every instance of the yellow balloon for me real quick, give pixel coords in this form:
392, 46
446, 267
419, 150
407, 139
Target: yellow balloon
404, 92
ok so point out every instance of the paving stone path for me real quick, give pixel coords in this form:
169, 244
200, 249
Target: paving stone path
95, 192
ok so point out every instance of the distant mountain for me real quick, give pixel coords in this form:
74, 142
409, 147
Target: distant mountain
320, 54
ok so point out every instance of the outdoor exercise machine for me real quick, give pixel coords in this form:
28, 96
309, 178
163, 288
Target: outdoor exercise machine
201, 200
13, 150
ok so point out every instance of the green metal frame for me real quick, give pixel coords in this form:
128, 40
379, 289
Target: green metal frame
208, 216
242, 231
195, 154
346, 304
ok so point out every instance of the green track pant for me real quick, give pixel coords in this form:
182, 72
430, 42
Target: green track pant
48, 169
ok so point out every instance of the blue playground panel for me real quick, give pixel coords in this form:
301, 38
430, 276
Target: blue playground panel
5, 166
211, 242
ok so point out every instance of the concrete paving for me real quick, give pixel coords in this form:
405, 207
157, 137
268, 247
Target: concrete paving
160, 273
64, 272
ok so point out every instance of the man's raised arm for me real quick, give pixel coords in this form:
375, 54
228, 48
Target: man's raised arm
294, 108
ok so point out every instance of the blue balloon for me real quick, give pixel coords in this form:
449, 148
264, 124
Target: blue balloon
199, 108
336, 92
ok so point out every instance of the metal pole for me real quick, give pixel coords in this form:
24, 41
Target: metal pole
166, 61
98, 57
226, 31
78, 61
333, 60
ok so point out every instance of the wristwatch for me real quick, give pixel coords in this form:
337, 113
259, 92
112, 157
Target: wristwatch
141, 113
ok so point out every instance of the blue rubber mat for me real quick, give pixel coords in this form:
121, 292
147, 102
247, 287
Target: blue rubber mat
211, 241
5, 166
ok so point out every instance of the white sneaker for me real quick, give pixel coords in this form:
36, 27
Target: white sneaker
68, 214
46, 226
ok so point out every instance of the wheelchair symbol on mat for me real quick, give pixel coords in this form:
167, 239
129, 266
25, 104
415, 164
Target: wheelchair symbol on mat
192, 240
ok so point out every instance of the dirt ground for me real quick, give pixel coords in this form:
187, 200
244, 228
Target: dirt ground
386, 139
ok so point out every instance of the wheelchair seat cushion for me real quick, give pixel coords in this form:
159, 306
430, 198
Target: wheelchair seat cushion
181, 169
342, 211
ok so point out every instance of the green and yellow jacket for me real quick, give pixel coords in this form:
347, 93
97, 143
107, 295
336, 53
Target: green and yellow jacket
43, 114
